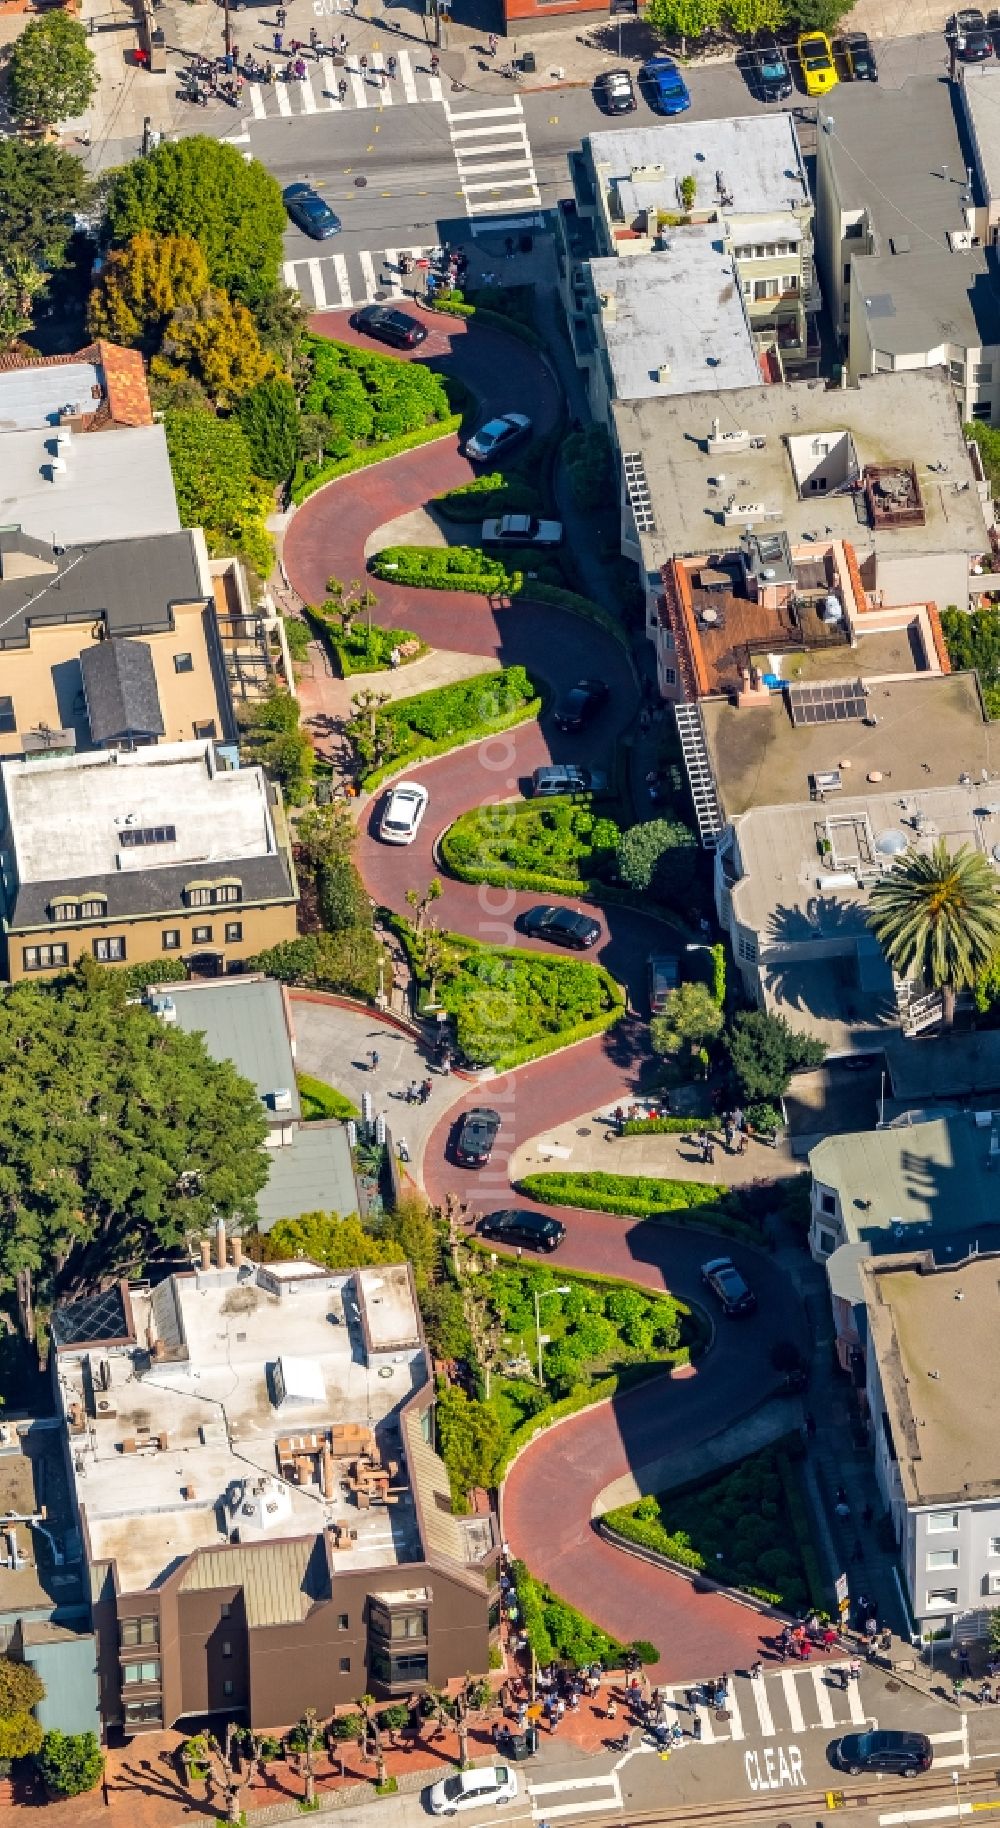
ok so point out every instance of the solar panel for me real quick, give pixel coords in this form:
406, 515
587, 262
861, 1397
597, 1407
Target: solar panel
835, 701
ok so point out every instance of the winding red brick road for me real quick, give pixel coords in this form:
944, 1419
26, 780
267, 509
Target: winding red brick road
550, 1490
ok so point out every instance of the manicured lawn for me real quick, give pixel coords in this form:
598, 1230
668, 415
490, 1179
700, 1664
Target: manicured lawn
750, 1528
509, 1006
641, 1196
368, 650
412, 729
555, 845
445, 568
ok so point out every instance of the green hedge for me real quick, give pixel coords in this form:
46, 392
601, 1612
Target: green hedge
491, 494
366, 650
303, 487
636, 1195
540, 821
457, 307
665, 1126
445, 568
320, 1100
530, 965
512, 683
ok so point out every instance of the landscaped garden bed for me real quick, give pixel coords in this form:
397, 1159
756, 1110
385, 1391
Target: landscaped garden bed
319, 1100
487, 495
365, 407
749, 1528
557, 846
509, 1005
413, 729
558, 1633
640, 1196
446, 568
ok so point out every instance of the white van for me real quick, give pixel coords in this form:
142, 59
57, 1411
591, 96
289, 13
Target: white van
471, 1789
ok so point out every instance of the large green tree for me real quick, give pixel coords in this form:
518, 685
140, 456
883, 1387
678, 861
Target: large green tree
20, 280
683, 19
71, 1763
141, 286
51, 71
692, 1019
216, 487
658, 857
764, 1052
269, 415
118, 1136
41, 189
200, 187
936, 916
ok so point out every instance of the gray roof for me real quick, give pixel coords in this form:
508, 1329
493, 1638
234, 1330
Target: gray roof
442, 1533
312, 1173
757, 156
32, 398
281, 1581
117, 484
119, 685
130, 584
890, 149
676, 321
243, 1020
900, 1184
979, 94
928, 297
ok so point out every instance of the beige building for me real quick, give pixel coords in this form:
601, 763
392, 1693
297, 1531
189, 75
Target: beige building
169, 850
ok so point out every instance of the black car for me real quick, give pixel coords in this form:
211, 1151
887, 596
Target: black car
310, 212
561, 926
614, 93
856, 50
770, 76
579, 705
727, 1285
566, 777
390, 326
968, 30
516, 1226
477, 1132
902, 1754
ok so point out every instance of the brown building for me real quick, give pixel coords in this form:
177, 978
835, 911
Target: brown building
171, 850
267, 1525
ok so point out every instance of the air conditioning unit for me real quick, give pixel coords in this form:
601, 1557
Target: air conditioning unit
281, 1100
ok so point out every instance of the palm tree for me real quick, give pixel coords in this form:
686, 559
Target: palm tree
937, 913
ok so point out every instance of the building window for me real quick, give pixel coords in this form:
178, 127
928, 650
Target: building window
227, 1686
828, 1203
93, 910
42, 958
941, 1520
982, 373
183, 663
170, 939
847, 276
397, 1670
227, 1649
65, 910
199, 898
345, 1666
387, 1623
234, 931
827, 1242
227, 891
957, 370
8, 722
790, 282
343, 1622
201, 935
982, 409
225, 1610
109, 949
747, 949
941, 1599
765, 288
941, 1558
140, 1672
205, 731
143, 1713
140, 1631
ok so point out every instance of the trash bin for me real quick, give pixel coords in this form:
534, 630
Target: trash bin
528, 62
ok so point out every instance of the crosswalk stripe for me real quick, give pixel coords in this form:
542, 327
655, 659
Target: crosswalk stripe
707, 1731
464, 153
408, 78
437, 93
948, 1738
316, 280
368, 270
822, 1697
487, 171
763, 1706
855, 1703
735, 1717
792, 1701
357, 83
392, 262
382, 88
343, 281
481, 114
486, 204
330, 80
308, 98
523, 183
257, 107
283, 99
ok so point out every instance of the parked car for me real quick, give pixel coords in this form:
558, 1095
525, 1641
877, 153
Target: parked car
614, 93
902, 1754
497, 437
521, 530
971, 35
391, 326
856, 50
404, 809
515, 1225
562, 927
310, 212
663, 974
470, 1789
566, 777
819, 72
662, 82
728, 1286
477, 1132
577, 706
770, 76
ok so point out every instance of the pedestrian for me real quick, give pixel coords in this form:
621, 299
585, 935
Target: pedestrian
343, 44
314, 39
374, 1058
964, 1661
611, 1711
278, 42
493, 41
854, 1669
959, 1687
342, 88
390, 65
269, 71
756, 1670
363, 63
282, 16
412, 1092
985, 1693
435, 63
696, 1727
742, 1145
508, 247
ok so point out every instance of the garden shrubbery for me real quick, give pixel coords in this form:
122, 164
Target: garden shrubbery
356, 401
640, 1196
320, 1100
558, 1633
554, 845
511, 1005
487, 495
446, 568
410, 729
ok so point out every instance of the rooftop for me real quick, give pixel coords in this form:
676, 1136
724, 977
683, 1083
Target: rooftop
114, 486
119, 686
747, 166
898, 153
130, 585
934, 1332
929, 731
928, 298
675, 321
978, 96
210, 1429
245, 1020
99, 386
312, 1173
909, 418
93, 815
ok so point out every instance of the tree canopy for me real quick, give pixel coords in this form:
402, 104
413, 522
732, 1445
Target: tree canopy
41, 189
936, 915
269, 415
274, 737
141, 286
51, 70
215, 485
201, 187
657, 856
213, 339
71, 1763
691, 1019
764, 1052
118, 1136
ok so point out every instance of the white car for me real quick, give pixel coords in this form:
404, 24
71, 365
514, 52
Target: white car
471, 1789
404, 810
521, 530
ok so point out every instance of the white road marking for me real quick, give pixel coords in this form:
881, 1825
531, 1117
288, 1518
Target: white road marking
554, 1811
308, 98
822, 1697
735, 1717
759, 1693
855, 1703
940, 1814
792, 1701
357, 83
283, 98
330, 80
480, 114
407, 77
316, 280
382, 88
257, 102
368, 271
343, 280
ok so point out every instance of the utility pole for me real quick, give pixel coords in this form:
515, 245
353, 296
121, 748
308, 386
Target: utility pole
227, 28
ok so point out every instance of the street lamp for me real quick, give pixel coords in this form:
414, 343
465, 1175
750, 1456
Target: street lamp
540, 1295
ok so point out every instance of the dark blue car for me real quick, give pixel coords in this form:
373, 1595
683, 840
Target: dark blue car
664, 86
310, 212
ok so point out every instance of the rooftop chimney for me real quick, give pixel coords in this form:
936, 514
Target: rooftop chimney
205, 1247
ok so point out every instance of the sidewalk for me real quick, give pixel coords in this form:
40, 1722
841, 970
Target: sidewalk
583, 1147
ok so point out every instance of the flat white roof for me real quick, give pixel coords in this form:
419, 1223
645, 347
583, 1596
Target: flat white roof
756, 157
31, 398
116, 485
675, 322
68, 813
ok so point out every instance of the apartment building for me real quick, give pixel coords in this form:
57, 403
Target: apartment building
168, 850
266, 1523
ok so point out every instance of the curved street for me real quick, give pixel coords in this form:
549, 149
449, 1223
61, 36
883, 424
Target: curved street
547, 1515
